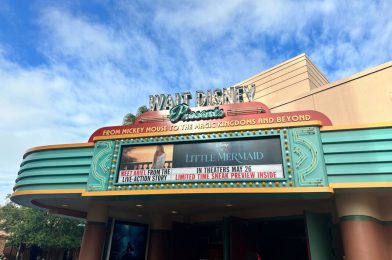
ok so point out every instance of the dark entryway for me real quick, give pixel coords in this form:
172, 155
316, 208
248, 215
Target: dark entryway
197, 241
275, 239
241, 239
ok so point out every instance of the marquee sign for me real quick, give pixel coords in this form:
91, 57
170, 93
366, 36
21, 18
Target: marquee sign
240, 160
183, 120
230, 145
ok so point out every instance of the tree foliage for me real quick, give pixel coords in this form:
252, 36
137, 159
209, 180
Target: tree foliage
36, 227
130, 118
141, 110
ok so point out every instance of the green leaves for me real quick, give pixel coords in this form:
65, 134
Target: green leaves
130, 118
36, 227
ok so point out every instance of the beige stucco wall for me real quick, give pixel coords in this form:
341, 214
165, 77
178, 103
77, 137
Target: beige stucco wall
292, 77
363, 98
358, 203
297, 84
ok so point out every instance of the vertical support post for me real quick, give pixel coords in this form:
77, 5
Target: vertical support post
94, 233
363, 232
159, 245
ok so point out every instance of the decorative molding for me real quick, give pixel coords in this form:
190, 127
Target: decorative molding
365, 218
306, 148
100, 166
58, 146
293, 190
355, 127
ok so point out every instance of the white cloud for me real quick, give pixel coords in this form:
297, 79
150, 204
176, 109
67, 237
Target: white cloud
97, 71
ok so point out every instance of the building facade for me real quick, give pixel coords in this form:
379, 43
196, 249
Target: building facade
285, 165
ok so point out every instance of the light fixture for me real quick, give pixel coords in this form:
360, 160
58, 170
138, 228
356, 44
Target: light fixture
64, 205
174, 212
139, 205
229, 205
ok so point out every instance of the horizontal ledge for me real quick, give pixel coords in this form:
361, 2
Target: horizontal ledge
365, 218
58, 146
56, 158
329, 189
53, 167
43, 192
354, 127
211, 191
343, 185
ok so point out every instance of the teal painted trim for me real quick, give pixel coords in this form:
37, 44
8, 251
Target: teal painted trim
357, 147
365, 218
54, 171
58, 154
59, 186
101, 165
62, 152
355, 178
52, 180
66, 168
355, 168
378, 134
359, 155
320, 241
307, 157
374, 157
55, 163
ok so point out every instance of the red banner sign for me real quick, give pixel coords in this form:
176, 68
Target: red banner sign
240, 116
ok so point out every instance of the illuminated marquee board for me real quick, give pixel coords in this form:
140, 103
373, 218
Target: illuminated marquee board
234, 160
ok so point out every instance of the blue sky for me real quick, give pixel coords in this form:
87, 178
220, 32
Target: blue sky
70, 67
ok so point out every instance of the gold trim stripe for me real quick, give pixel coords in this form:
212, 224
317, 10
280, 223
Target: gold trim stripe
44, 192
210, 191
85, 193
353, 127
329, 189
361, 185
58, 146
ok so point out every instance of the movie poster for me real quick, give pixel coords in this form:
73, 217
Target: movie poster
129, 241
239, 160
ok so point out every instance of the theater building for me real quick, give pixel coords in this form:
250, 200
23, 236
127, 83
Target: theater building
284, 165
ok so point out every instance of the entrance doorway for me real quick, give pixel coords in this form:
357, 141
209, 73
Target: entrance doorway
295, 238
240, 239
200, 241
275, 239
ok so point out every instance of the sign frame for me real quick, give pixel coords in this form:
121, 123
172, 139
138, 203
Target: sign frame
282, 134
